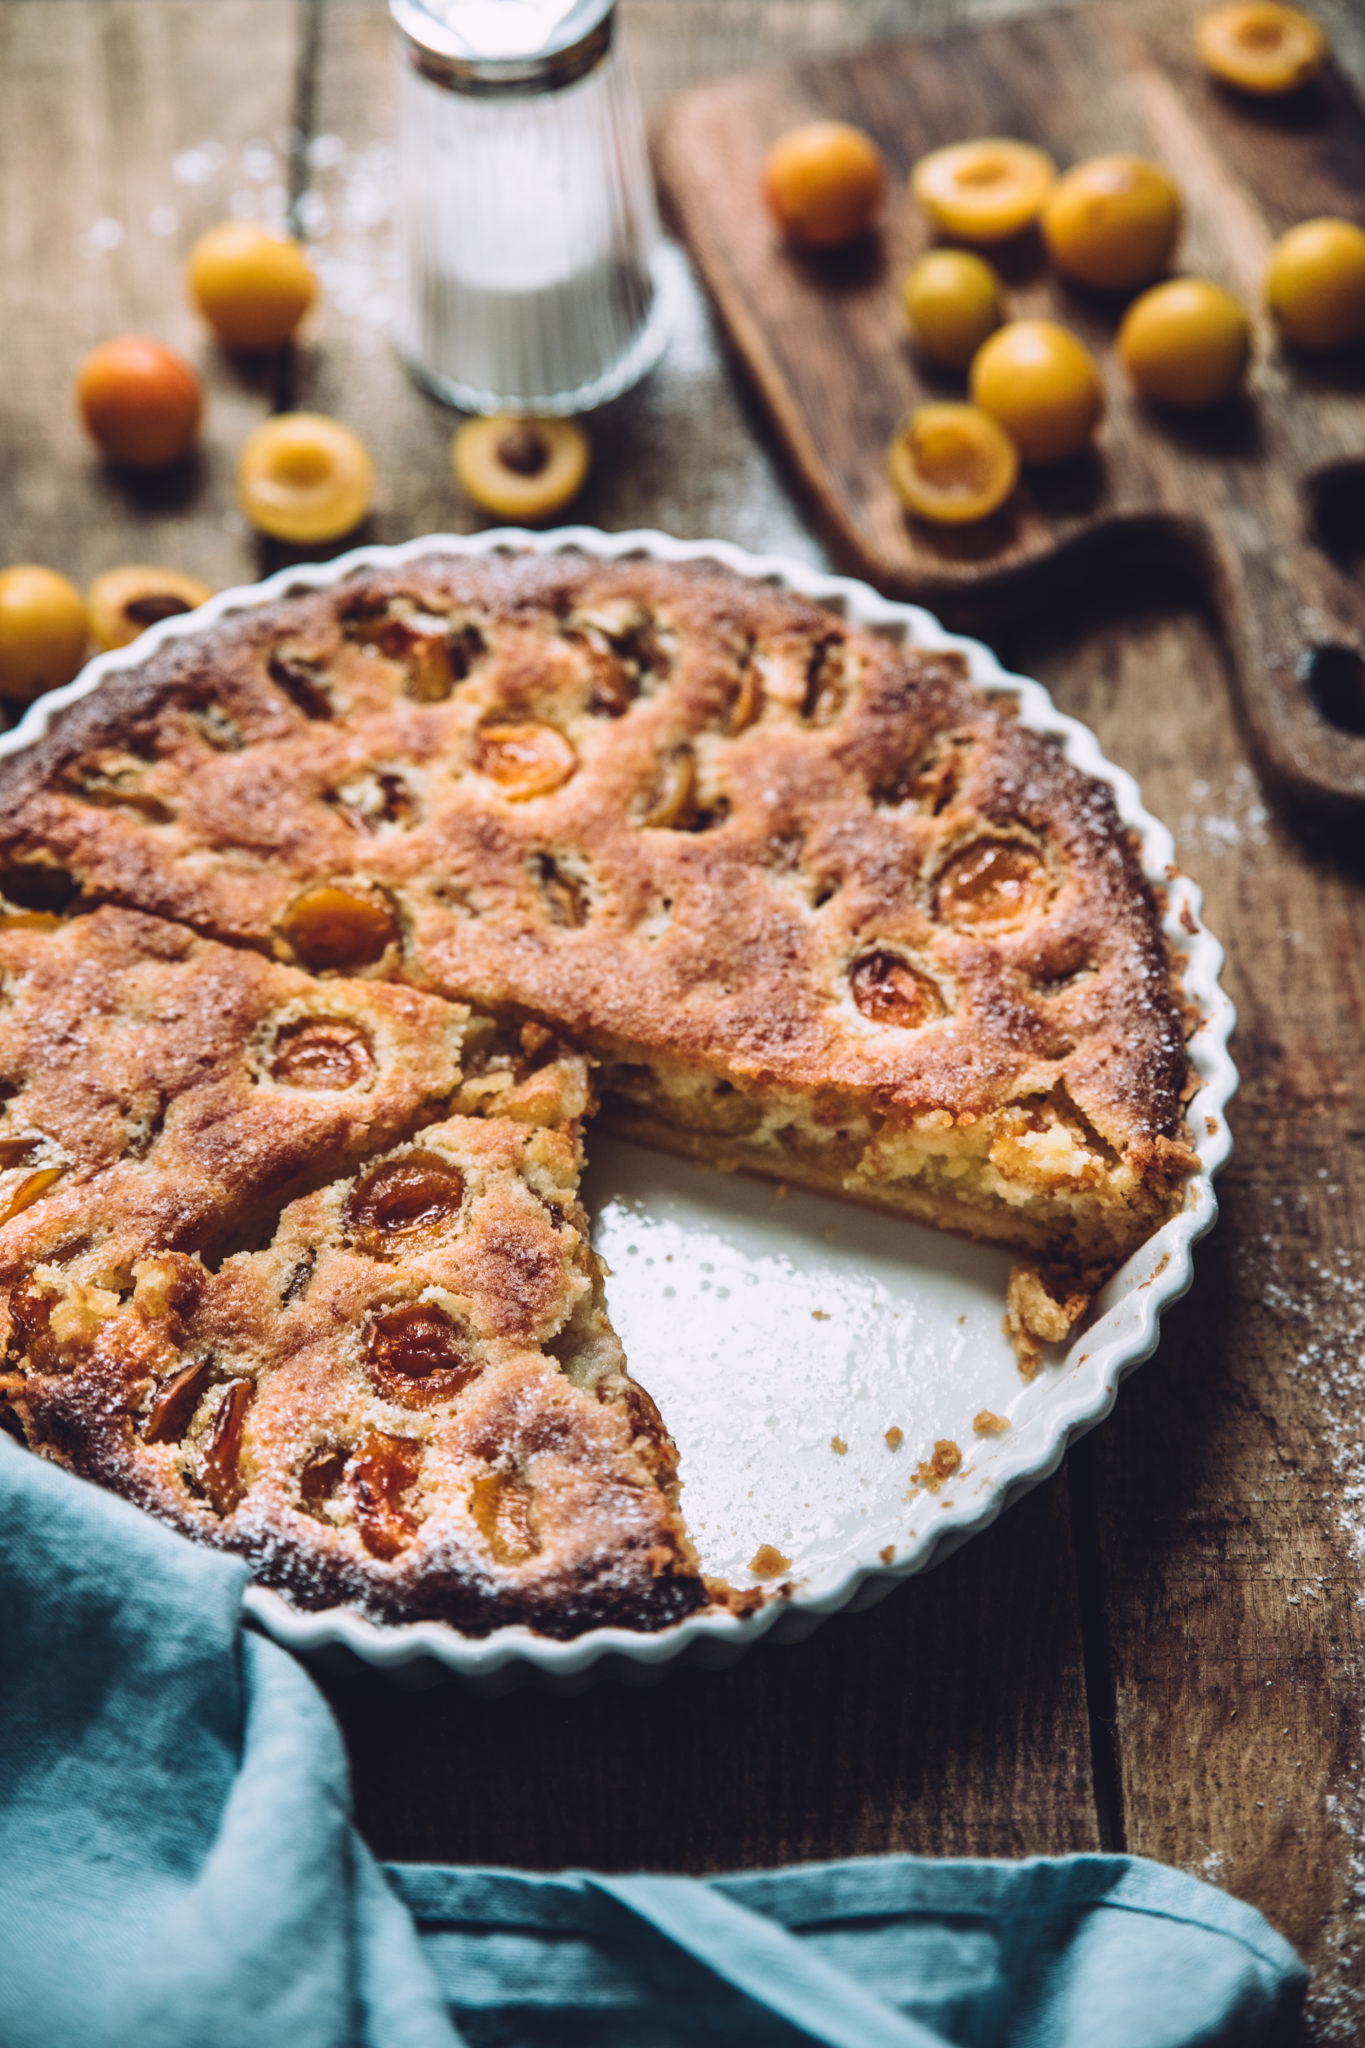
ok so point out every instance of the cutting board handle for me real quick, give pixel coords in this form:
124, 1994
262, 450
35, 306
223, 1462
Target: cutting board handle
1296, 627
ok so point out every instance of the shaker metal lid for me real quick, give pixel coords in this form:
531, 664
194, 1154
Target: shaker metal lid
488, 46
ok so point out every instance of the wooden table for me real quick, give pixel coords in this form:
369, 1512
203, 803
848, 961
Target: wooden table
1162, 1650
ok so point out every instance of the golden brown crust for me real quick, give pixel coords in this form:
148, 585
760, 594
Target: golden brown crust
814, 904
137, 1058
763, 801
412, 1347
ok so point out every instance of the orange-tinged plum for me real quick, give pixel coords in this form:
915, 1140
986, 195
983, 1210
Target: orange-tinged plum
824, 183
140, 402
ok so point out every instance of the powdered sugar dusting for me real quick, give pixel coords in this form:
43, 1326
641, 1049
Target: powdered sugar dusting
348, 217
1321, 1304
1223, 816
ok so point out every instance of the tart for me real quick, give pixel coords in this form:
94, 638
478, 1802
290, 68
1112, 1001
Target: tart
392, 885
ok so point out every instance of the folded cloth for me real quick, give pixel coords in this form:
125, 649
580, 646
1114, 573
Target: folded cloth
178, 1869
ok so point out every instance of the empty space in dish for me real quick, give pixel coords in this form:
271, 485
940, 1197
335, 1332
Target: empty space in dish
766, 1327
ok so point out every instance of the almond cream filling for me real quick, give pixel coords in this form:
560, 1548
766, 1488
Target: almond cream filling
1028, 1174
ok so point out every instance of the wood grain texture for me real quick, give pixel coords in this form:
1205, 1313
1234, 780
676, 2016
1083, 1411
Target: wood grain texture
1206, 1539
1225, 1563
951, 1721
98, 98
824, 338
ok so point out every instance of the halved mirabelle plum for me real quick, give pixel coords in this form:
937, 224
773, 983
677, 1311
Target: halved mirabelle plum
1315, 284
382, 1475
1186, 342
252, 287
952, 463
415, 1355
1260, 47
1042, 385
140, 402
952, 301
43, 630
331, 927
824, 183
524, 759
1112, 221
304, 478
520, 468
321, 1052
983, 191
124, 602
502, 1505
888, 990
990, 885
403, 1203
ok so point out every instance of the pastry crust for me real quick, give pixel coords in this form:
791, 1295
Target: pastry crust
257, 1197
812, 903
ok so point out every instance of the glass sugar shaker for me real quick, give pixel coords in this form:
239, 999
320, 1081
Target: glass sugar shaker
528, 227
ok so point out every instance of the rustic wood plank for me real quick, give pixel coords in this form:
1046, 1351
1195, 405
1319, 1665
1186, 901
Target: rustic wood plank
824, 337
100, 99
953, 1717
1224, 1536
950, 1720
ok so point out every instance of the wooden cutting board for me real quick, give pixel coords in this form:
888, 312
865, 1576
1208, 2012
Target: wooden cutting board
1235, 491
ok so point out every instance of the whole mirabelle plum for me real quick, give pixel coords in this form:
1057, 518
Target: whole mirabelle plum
252, 287
1043, 386
42, 630
952, 301
1185, 342
1112, 221
824, 183
1315, 283
141, 403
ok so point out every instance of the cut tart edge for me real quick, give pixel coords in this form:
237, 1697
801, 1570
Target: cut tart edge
817, 588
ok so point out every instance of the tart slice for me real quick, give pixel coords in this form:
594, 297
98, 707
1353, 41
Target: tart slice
398, 1388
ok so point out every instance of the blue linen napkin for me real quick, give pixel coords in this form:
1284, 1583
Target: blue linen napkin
178, 1869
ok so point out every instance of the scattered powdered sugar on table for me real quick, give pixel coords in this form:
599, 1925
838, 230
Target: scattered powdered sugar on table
1212, 1866
1325, 1312
345, 214
1228, 815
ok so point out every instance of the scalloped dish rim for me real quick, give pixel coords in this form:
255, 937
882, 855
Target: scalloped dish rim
1080, 1392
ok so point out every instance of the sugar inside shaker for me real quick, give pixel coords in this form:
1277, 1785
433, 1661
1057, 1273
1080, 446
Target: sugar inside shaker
528, 225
